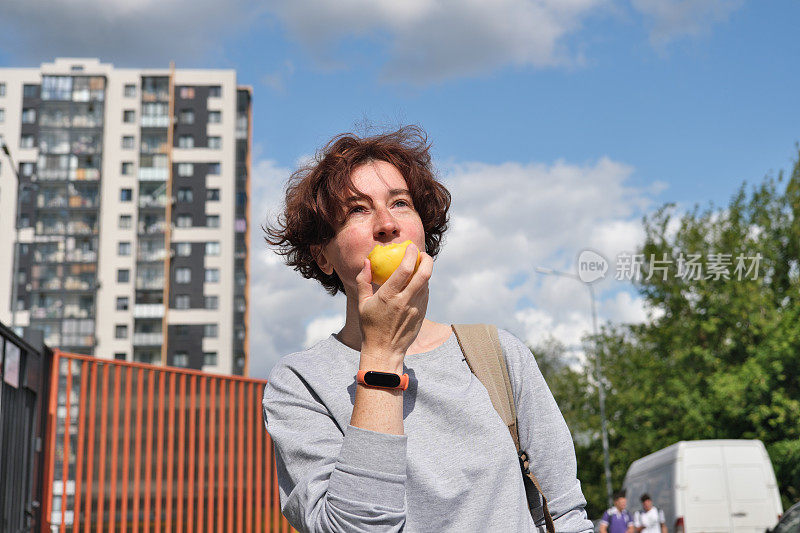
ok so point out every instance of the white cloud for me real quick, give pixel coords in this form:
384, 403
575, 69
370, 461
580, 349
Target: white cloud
420, 41
428, 40
671, 19
143, 33
321, 328
505, 220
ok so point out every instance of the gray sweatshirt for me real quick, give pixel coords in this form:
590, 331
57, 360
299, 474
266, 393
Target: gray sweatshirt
454, 469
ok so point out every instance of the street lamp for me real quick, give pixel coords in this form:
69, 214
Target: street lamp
16, 240
598, 373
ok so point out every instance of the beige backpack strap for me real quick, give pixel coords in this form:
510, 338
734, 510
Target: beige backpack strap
480, 345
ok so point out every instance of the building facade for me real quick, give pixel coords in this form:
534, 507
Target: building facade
133, 211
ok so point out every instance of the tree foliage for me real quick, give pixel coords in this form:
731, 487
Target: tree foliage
719, 357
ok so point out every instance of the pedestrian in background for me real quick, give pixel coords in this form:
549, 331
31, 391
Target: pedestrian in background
617, 519
649, 518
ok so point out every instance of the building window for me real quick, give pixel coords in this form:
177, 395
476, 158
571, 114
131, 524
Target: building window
211, 331
212, 221
30, 91
211, 302
123, 275
214, 117
187, 116
215, 142
215, 91
185, 141
2, 115
127, 168
122, 303
121, 331
180, 359
183, 249
120, 356
183, 275
2, 89
27, 141
185, 194
182, 330
125, 222
212, 195
185, 169
182, 301
125, 195
214, 169
187, 93
212, 248
26, 168
124, 248
184, 221
127, 142
29, 116
129, 116
212, 275
241, 304
129, 90
209, 358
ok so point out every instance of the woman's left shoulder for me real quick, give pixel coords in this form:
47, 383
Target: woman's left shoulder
511, 344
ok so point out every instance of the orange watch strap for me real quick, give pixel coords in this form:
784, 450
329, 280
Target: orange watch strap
403, 380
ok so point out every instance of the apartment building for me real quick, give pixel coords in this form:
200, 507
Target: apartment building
133, 217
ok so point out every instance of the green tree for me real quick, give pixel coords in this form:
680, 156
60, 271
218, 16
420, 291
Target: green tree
720, 357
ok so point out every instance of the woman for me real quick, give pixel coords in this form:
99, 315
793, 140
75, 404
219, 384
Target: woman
435, 456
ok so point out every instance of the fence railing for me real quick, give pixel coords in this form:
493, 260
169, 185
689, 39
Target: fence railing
136, 447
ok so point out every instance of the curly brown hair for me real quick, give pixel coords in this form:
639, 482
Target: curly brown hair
315, 196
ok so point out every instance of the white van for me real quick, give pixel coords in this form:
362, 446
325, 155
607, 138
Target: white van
708, 486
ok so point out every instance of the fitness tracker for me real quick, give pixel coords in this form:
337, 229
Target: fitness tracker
383, 380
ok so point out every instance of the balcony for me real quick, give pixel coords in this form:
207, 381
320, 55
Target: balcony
150, 283
152, 228
155, 121
74, 311
148, 339
48, 257
149, 201
153, 174
72, 283
77, 340
85, 174
45, 312
152, 255
78, 227
81, 256
148, 311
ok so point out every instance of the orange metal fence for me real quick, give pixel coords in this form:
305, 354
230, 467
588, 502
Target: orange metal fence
133, 447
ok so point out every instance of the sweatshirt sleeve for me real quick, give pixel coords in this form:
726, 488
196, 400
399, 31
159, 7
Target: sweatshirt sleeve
544, 434
331, 479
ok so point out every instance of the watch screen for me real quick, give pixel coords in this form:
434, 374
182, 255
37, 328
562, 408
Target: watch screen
381, 379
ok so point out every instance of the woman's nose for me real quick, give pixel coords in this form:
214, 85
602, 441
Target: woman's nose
385, 223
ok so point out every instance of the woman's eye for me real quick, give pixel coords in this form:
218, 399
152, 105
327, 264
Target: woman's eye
404, 202
356, 208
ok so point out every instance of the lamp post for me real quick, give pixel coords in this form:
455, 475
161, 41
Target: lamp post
598, 374
16, 240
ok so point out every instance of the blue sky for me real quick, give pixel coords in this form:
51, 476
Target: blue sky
592, 112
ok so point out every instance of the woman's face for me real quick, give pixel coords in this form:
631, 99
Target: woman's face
385, 215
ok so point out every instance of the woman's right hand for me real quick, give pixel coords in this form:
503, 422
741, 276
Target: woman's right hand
392, 316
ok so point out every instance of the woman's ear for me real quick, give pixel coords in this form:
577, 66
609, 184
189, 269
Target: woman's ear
318, 253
